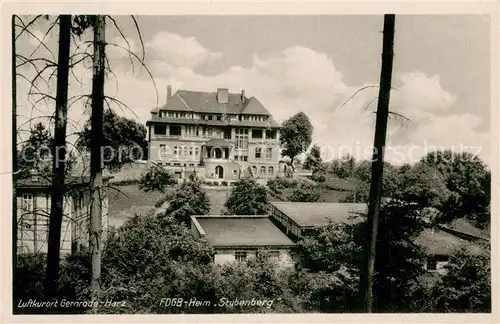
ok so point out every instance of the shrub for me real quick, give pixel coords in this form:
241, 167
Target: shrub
318, 177
224, 183
29, 279
156, 179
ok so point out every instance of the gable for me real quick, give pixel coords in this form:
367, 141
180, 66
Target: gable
254, 107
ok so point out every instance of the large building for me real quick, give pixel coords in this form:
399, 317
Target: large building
219, 135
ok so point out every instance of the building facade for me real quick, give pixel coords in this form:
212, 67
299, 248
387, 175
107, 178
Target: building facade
237, 238
33, 211
219, 135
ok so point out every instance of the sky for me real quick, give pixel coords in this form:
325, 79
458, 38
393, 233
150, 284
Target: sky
441, 74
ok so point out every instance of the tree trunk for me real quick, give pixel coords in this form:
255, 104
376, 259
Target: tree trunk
95, 154
366, 279
58, 159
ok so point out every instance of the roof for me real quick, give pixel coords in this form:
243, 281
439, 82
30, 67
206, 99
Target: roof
318, 214
343, 184
218, 142
270, 123
44, 182
244, 231
464, 226
206, 102
438, 242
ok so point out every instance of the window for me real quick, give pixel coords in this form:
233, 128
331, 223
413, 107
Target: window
209, 117
190, 150
271, 134
257, 133
196, 151
27, 203
258, 153
240, 256
163, 150
245, 158
176, 152
175, 130
262, 170
219, 117
241, 136
191, 165
269, 153
185, 153
271, 170
160, 130
235, 173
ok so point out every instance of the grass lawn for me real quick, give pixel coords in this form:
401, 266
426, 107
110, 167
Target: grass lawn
131, 200
128, 201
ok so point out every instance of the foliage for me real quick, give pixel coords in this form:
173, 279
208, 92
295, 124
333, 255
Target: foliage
188, 199
295, 135
37, 149
469, 181
305, 192
124, 140
146, 255
337, 248
319, 176
247, 198
466, 287
166, 197
342, 168
313, 160
29, 279
156, 179
327, 247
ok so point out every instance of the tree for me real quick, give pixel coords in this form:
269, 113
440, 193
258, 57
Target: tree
468, 180
466, 287
295, 135
35, 150
189, 199
96, 145
247, 198
342, 168
149, 257
59, 156
423, 185
366, 278
313, 160
124, 140
156, 179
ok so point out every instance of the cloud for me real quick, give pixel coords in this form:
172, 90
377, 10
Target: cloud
301, 79
179, 51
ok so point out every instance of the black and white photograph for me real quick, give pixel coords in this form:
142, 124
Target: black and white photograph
250, 164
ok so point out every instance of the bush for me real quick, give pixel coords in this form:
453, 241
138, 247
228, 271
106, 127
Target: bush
305, 193
318, 177
156, 179
29, 279
168, 195
224, 183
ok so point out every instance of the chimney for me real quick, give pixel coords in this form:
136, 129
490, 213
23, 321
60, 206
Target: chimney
242, 97
223, 95
169, 92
